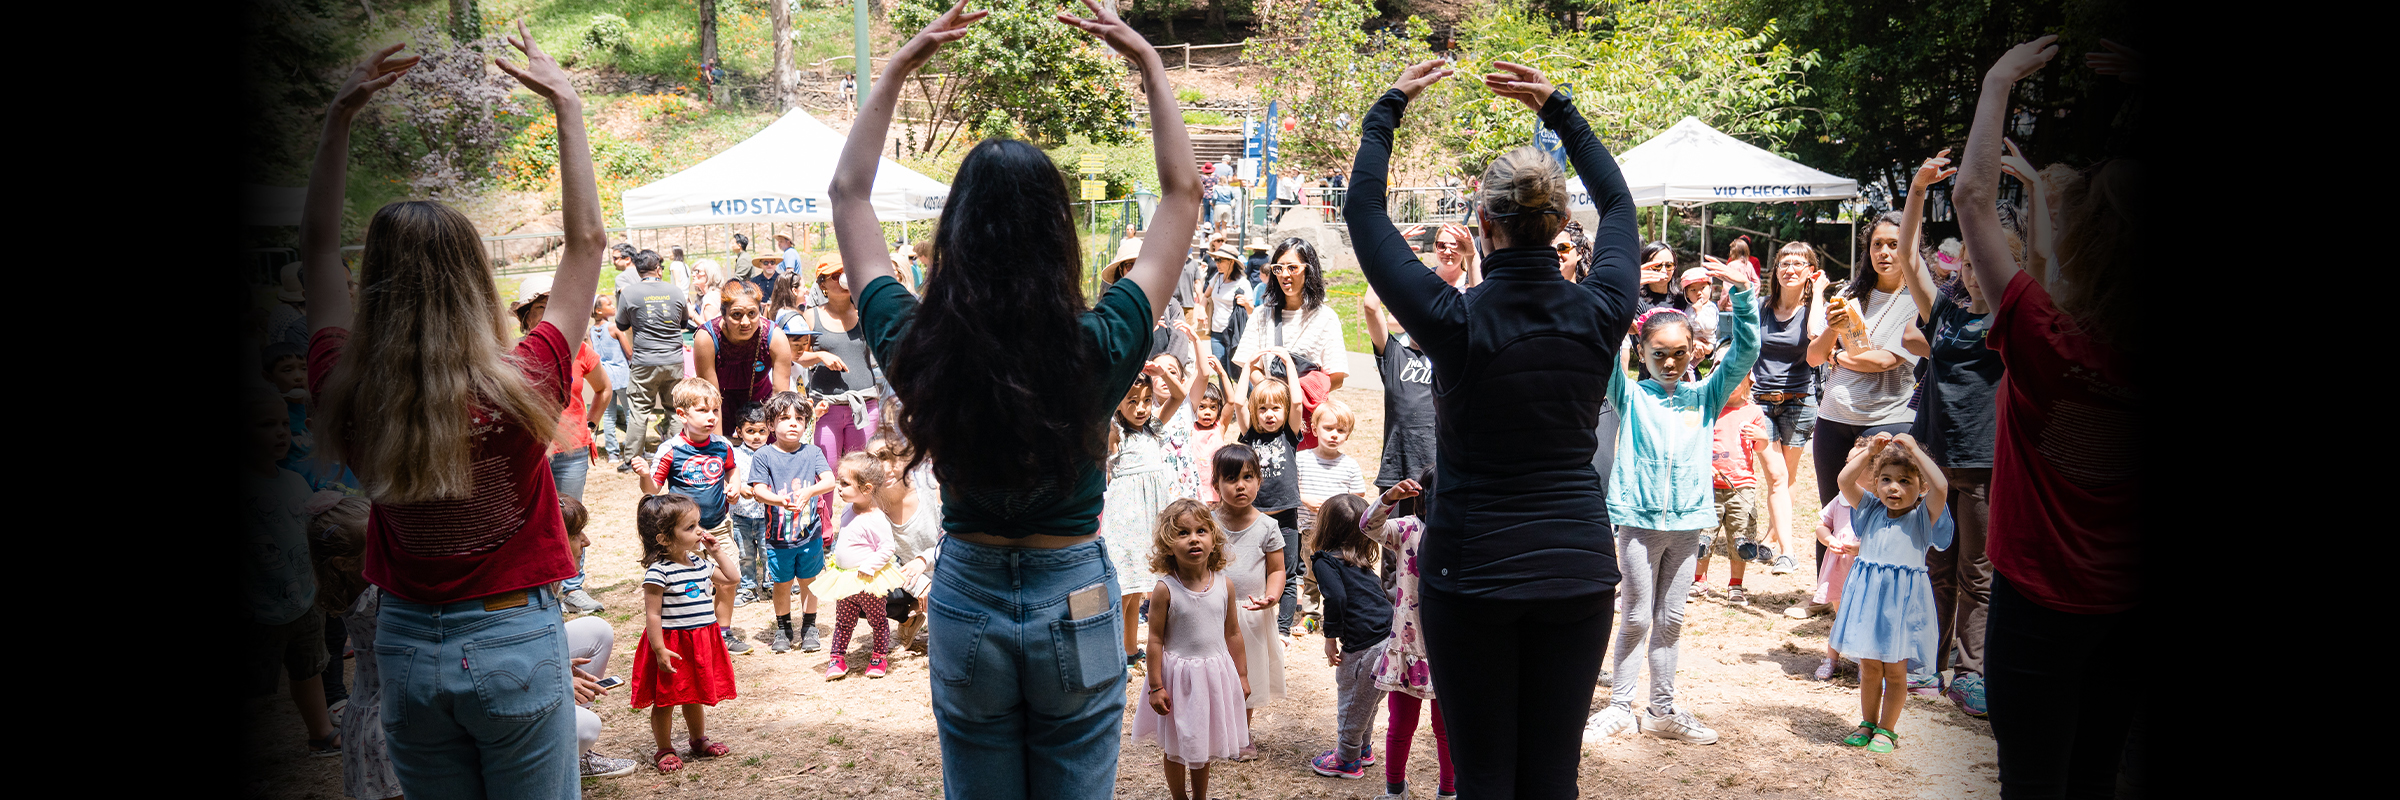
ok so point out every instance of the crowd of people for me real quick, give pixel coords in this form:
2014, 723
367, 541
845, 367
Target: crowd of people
952, 438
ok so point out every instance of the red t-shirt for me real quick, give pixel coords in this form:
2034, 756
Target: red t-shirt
571, 424
2064, 496
1736, 437
508, 534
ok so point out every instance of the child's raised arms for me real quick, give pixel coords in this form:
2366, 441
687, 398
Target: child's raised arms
1373, 523
1937, 488
1855, 470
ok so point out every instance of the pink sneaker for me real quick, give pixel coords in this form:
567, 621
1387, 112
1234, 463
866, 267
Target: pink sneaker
837, 670
878, 668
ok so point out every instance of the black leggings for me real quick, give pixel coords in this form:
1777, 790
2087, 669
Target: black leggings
1829, 450
1520, 674
2058, 713
1295, 566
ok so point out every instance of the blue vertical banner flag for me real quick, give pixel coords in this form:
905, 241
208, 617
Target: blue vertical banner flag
1547, 140
1266, 154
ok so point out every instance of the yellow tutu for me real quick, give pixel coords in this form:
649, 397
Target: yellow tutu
836, 583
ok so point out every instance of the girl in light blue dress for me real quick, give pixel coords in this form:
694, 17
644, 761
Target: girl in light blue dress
1887, 618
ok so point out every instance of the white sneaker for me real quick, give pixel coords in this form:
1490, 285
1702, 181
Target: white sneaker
1609, 722
1679, 726
582, 602
596, 765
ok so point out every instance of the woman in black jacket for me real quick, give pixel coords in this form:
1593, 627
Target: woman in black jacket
1519, 565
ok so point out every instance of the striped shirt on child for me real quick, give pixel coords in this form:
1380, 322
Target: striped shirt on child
690, 600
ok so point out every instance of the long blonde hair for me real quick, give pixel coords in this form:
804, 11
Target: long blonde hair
429, 347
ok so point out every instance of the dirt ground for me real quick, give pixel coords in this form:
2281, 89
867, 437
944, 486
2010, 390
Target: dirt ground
1745, 671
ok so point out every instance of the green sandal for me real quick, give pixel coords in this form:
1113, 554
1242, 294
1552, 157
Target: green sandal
1856, 739
1886, 742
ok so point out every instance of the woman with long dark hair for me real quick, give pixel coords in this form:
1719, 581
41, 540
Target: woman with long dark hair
1294, 319
1871, 377
1519, 566
1007, 380
447, 417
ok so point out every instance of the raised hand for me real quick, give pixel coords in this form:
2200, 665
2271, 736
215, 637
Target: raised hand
2121, 61
1416, 77
1522, 83
541, 73
2024, 59
372, 75
1933, 171
951, 26
1736, 276
1402, 491
1107, 27
2015, 163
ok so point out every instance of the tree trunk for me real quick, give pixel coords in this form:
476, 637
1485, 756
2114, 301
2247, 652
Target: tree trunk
781, 13
1166, 9
708, 31
465, 20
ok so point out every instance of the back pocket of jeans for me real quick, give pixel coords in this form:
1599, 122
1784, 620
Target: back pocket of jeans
520, 676
1091, 651
392, 664
953, 639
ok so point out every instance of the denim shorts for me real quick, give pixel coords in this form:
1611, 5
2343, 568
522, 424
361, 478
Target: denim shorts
1029, 703
1795, 420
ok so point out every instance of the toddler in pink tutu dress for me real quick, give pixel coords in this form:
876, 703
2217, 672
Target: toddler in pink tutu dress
1193, 703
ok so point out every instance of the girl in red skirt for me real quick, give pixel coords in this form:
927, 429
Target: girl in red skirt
681, 661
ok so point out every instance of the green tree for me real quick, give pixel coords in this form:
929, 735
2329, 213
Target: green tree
1325, 67
1650, 65
1901, 76
1020, 73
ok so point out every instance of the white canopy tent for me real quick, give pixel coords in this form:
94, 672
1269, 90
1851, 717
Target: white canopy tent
1693, 164
778, 175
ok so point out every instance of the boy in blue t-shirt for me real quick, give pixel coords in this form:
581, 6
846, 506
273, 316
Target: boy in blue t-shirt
704, 467
786, 477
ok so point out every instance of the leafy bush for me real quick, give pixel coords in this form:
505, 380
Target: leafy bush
1189, 96
609, 33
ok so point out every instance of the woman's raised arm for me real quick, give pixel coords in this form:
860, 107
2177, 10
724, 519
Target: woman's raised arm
1426, 307
1157, 268
1978, 185
864, 255
579, 202
327, 282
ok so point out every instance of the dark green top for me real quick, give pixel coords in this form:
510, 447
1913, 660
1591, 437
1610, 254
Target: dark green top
1062, 505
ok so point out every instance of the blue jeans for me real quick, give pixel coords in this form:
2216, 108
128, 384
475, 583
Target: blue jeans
568, 469
751, 534
617, 415
496, 725
1028, 703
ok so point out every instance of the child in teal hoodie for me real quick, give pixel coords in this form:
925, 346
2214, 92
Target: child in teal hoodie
1660, 497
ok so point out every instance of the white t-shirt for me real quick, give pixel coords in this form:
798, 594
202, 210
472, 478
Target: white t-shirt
1221, 305
1868, 399
1318, 338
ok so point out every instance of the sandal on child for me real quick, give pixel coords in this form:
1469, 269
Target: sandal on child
1862, 736
1885, 741
666, 760
708, 748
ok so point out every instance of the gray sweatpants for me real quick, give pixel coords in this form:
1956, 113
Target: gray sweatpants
1354, 688
1656, 569
589, 637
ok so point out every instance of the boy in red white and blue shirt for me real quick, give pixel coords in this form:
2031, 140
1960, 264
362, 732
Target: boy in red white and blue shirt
705, 467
